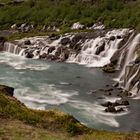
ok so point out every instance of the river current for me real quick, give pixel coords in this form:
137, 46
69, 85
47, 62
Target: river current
72, 88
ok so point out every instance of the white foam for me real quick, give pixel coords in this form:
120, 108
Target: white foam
47, 95
95, 113
21, 63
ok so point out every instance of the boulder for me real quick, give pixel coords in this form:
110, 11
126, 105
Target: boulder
124, 102
2, 40
27, 42
29, 55
59, 51
65, 41
111, 109
52, 57
7, 90
112, 38
116, 103
119, 37
107, 104
43, 56
100, 48
65, 55
51, 49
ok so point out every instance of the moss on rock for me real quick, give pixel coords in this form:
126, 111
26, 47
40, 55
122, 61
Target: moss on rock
110, 68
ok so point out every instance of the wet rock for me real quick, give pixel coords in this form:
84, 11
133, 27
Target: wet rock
111, 89
124, 94
100, 49
54, 37
2, 41
120, 110
7, 90
102, 90
43, 56
116, 103
119, 37
2, 4
111, 109
65, 41
27, 42
59, 51
52, 57
112, 38
66, 55
124, 102
116, 84
29, 55
107, 104
75, 40
51, 49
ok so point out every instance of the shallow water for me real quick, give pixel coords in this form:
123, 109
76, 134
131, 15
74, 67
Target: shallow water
68, 87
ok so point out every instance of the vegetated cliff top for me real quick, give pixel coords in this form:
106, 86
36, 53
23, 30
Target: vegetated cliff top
62, 13
19, 122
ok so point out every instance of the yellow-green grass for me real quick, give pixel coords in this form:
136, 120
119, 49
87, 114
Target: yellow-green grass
17, 122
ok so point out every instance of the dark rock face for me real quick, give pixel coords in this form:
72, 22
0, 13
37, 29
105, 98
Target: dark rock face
112, 109
7, 90
51, 49
112, 38
27, 42
29, 55
52, 57
2, 40
116, 103
65, 41
100, 49
43, 56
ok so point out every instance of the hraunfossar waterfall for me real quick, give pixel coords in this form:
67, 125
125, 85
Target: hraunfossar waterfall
65, 72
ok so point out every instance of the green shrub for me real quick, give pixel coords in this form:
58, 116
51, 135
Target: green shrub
114, 13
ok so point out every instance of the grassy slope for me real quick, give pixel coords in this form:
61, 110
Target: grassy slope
113, 13
17, 122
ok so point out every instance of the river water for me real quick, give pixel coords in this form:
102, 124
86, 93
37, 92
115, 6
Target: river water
71, 88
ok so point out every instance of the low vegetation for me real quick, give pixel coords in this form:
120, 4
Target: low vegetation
110, 68
63, 13
19, 122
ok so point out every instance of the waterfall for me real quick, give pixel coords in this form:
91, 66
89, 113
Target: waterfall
129, 77
94, 50
89, 56
12, 48
130, 56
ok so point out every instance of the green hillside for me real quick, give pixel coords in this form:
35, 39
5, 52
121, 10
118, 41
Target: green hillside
62, 13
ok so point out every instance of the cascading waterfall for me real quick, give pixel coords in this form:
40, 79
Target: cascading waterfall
130, 71
89, 55
94, 51
131, 54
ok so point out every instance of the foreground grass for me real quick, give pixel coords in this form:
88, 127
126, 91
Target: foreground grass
17, 122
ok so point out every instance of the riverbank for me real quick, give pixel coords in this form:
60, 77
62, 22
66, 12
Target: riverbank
17, 121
